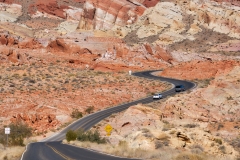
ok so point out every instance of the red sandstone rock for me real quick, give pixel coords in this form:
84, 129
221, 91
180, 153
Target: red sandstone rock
50, 7
199, 69
149, 49
163, 54
29, 43
40, 122
3, 40
150, 3
5, 50
60, 45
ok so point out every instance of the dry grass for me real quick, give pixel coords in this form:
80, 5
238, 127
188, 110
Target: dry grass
11, 153
163, 153
123, 150
185, 156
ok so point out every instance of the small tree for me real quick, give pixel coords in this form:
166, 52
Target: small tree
89, 109
18, 133
76, 114
71, 135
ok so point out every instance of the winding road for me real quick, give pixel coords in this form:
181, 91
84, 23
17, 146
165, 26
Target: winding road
51, 148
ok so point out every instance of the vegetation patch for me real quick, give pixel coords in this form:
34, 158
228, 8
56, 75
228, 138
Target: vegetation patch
17, 134
76, 114
81, 135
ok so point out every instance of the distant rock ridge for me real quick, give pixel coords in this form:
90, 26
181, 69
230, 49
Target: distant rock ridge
106, 14
93, 14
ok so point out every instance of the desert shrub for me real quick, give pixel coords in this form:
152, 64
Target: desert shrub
18, 133
191, 125
158, 144
189, 156
89, 109
148, 135
162, 140
222, 149
2, 136
5, 158
230, 98
123, 144
204, 83
99, 73
219, 141
145, 130
71, 135
196, 148
76, 114
164, 121
236, 143
92, 136
220, 126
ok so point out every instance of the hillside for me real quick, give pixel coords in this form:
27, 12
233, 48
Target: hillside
60, 56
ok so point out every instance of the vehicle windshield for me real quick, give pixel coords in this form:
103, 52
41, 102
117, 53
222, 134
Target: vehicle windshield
178, 86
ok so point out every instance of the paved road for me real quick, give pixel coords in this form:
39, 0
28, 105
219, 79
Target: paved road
52, 149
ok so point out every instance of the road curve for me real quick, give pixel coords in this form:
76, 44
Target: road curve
51, 148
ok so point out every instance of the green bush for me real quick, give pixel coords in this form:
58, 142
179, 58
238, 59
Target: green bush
90, 136
219, 141
71, 135
89, 109
76, 114
17, 134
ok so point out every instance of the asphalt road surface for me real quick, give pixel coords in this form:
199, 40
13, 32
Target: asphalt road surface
51, 148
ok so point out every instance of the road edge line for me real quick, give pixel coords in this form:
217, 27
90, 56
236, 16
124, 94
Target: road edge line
24, 151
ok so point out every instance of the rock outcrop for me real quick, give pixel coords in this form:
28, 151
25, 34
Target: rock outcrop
39, 122
105, 15
141, 128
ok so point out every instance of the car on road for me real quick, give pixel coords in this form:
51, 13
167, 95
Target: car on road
157, 96
179, 88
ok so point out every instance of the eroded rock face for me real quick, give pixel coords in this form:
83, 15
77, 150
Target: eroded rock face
39, 122
92, 14
12, 48
144, 128
61, 45
183, 26
29, 43
51, 7
105, 15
